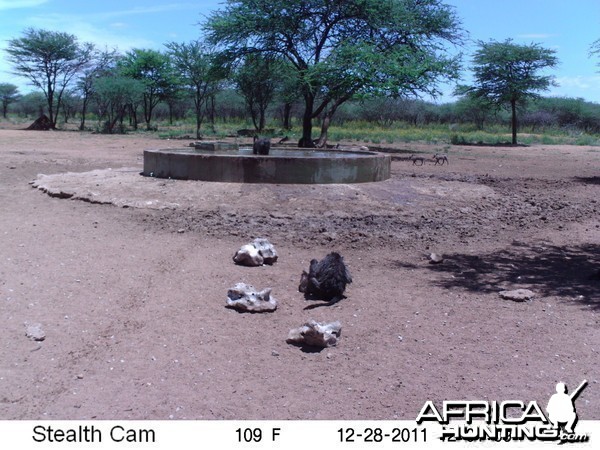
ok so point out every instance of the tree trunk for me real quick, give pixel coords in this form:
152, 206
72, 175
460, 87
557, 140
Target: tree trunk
254, 116
327, 120
306, 139
133, 116
262, 120
198, 123
83, 113
322, 142
513, 106
199, 119
287, 112
210, 103
148, 107
50, 99
59, 103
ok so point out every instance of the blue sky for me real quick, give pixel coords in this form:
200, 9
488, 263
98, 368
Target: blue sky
567, 26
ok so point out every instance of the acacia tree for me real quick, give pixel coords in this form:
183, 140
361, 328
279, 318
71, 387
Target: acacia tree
343, 49
196, 68
114, 95
100, 65
50, 60
257, 80
154, 69
287, 92
9, 93
508, 74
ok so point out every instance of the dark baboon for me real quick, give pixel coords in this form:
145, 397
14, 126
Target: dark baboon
261, 146
326, 279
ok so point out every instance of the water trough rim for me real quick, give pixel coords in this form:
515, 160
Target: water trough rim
289, 166
236, 154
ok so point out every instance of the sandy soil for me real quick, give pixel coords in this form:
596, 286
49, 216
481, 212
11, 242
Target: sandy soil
129, 285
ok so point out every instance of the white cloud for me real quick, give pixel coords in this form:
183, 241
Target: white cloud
579, 86
535, 36
152, 9
20, 4
119, 25
104, 28
88, 30
579, 82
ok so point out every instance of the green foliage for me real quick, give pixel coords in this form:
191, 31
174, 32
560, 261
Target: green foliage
257, 79
114, 95
508, 74
50, 60
102, 63
371, 92
197, 68
571, 113
155, 71
505, 72
343, 49
31, 104
9, 93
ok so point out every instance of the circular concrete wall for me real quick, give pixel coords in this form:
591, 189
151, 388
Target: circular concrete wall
282, 166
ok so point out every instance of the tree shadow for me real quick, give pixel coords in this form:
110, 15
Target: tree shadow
588, 180
489, 144
567, 271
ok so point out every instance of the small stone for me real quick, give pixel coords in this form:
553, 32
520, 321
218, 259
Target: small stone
256, 253
246, 298
435, 258
35, 332
518, 295
274, 353
316, 334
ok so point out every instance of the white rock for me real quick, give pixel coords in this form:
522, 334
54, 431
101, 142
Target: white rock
35, 332
435, 258
256, 253
248, 255
245, 297
518, 295
316, 334
266, 250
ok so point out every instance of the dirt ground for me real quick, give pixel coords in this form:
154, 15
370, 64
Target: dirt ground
127, 277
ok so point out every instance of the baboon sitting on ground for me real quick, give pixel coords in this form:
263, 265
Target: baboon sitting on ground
326, 279
261, 146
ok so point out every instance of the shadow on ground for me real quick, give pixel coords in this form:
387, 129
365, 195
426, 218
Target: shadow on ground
568, 271
588, 180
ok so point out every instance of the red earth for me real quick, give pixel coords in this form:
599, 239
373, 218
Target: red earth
127, 278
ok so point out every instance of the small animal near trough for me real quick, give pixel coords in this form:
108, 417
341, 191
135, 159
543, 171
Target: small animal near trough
281, 166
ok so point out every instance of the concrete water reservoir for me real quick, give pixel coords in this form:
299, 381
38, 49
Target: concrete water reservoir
280, 166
